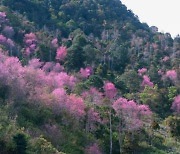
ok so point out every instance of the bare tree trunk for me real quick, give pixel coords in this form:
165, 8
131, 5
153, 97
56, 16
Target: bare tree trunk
110, 128
120, 131
120, 141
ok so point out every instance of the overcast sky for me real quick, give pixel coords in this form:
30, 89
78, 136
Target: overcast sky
164, 14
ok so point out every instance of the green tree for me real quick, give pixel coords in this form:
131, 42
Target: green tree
130, 79
21, 143
75, 58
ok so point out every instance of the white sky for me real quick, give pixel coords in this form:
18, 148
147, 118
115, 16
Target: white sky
164, 14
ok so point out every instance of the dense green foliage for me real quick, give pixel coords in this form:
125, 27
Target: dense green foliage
103, 35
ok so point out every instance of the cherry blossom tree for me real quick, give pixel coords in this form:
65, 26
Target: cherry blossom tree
8, 31
54, 43
93, 99
92, 96
171, 74
130, 115
2, 17
142, 71
147, 82
110, 92
35, 63
61, 53
85, 73
76, 106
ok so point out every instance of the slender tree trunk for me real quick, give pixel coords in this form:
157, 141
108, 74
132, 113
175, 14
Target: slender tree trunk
120, 131
119, 143
110, 128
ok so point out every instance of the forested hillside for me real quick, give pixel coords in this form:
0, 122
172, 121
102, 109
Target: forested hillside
86, 77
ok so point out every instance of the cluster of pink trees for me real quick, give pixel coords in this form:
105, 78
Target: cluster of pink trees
6, 41
30, 41
131, 114
38, 85
7, 32
46, 83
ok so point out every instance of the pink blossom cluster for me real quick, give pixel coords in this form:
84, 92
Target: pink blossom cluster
69, 103
11, 75
2, 17
35, 85
132, 113
92, 96
160, 72
142, 71
8, 31
147, 82
166, 58
52, 67
31, 43
93, 119
61, 53
110, 90
176, 105
35, 63
171, 74
6, 41
54, 43
85, 73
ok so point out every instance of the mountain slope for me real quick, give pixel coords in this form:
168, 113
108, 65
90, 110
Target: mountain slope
85, 76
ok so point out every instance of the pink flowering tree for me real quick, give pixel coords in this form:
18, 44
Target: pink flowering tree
6, 42
35, 63
93, 99
130, 116
85, 73
142, 71
61, 53
8, 31
54, 43
171, 74
110, 92
11, 76
93, 120
146, 81
2, 17
52, 67
62, 79
2, 39
76, 106
176, 105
